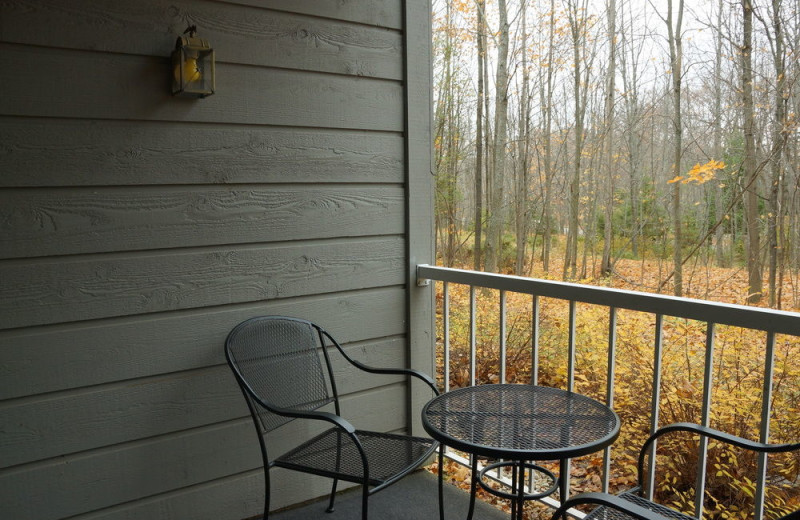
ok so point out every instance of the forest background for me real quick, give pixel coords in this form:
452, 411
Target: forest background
644, 144
623, 129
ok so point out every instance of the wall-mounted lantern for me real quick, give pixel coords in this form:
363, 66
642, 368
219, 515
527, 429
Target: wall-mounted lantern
192, 66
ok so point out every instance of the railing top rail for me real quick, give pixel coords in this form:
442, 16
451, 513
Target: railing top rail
781, 322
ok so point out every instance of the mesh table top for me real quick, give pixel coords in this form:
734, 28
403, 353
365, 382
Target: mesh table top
520, 422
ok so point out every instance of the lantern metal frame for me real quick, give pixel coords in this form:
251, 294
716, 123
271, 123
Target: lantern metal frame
193, 57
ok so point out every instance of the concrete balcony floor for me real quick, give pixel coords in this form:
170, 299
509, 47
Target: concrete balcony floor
413, 498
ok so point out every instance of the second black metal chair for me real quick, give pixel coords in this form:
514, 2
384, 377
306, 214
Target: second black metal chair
284, 369
632, 505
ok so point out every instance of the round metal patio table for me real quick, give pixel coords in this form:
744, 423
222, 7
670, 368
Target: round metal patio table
517, 424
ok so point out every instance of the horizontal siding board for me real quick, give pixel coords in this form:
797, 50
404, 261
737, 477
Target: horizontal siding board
80, 483
382, 409
386, 353
58, 424
89, 481
137, 87
77, 152
58, 222
102, 416
241, 34
383, 13
235, 497
53, 291
49, 359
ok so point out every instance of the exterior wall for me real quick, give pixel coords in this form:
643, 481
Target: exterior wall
137, 229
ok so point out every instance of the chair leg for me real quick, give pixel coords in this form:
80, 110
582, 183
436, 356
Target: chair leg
364, 503
441, 482
473, 486
266, 492
333, 496
338, 462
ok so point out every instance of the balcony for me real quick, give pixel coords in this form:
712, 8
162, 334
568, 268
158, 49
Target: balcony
779, 331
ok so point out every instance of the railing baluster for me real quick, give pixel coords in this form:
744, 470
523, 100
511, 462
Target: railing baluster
446, 327
656, 399
571, 348
766, 401
610, 374
502, 346
705, 419
472, 334
502, 336
567, 463
535, 340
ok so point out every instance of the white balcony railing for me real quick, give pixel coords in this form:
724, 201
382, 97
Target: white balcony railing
771, 322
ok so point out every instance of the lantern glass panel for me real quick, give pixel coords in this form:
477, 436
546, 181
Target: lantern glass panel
193, 68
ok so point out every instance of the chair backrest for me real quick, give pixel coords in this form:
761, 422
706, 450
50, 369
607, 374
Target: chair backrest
277, 363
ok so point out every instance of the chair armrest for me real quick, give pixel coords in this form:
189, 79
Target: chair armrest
377, 370
607, 500
402, 371
712, 433
337, 420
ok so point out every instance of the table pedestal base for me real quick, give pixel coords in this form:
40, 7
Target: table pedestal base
517, 496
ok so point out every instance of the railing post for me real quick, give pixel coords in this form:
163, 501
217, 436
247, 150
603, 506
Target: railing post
472, 336
571, 348
610, 375
656, 400
446, 327
535, 340
766, 401
502, 336
702, 461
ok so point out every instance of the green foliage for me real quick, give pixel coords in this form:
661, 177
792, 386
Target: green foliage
651, 222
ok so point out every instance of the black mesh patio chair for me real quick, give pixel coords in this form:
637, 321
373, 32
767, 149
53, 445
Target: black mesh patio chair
633, 505
278, 362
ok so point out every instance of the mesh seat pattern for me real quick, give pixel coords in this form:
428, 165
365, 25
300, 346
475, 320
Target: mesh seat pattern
609, 513
333, 454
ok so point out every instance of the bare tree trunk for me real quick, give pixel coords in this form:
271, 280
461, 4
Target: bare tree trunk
440, 136
779, 125
547, 106
494, 233
719, 204
521, 213
754, 292
447, 165
676, 58
577, 24
629, 65
481, 44
611, 14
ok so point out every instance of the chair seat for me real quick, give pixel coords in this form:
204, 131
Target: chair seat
333, 454
609, 513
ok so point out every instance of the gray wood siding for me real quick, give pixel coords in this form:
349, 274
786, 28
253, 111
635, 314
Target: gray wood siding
117, 153
136, 229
